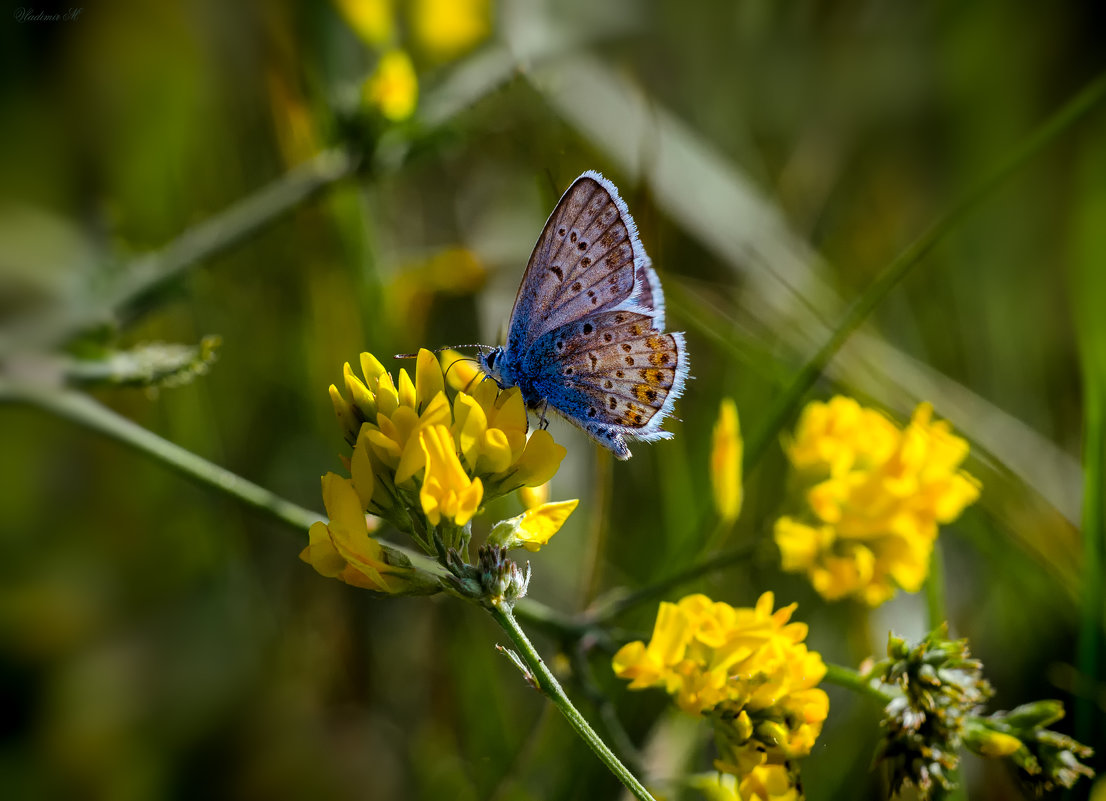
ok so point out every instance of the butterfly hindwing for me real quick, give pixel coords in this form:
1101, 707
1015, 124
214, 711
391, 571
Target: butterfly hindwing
611, 373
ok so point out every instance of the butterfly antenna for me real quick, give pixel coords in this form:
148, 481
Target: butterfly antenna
439, 350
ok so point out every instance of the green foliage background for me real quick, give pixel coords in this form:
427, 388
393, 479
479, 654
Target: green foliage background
159, 640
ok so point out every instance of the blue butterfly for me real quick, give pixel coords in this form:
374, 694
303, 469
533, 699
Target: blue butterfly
586, 335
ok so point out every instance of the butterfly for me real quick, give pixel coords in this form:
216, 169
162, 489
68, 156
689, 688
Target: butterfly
586, 335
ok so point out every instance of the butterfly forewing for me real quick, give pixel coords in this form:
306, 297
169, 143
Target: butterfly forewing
585, 261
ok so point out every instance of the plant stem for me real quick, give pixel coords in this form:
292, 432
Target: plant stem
123, 298
79, 408
84, 410
935, 589
548, 684
851, 679
893, 273
1088, 293
608, 611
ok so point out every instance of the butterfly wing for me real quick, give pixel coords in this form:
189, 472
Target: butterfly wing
588, 259
647, 292
613, 374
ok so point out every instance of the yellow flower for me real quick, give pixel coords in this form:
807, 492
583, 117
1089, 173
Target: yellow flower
531, 497
538, 463
874, 496
490, 427
393, 88
447, 28
768, 783
745, 669
461, 372
446, 489
994, 744
725, 462
388, 418
533, 528
344, 550
763, 783
372, 20
407, 471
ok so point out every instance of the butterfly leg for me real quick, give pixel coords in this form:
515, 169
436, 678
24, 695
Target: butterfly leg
543, 423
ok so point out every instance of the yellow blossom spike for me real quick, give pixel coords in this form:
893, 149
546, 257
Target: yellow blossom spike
469, 426
384, 445
485, 393
461, 372
540, 460
320, 552
725, 462
533, 528
437, 412
363, 399
406, 390
361, 470
446, 490
495, 452
343, 549
387, 398
347, 417
428, 378
372, 369
348, 536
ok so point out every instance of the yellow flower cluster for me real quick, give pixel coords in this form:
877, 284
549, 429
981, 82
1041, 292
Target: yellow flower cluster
874, 495
425, 461
441, 30
763, 783
746, 670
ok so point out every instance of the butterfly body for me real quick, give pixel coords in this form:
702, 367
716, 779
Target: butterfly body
586, 336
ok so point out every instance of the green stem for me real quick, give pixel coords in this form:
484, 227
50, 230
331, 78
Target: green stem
852, 680
935, 589
893, 273
83, 410
718, 561
1088, 645
123, 298
150, 273
548, 684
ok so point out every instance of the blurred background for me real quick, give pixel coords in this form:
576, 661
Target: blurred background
160, 640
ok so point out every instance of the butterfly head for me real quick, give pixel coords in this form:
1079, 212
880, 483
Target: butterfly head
495, 366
